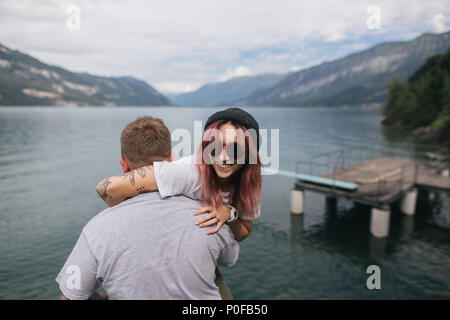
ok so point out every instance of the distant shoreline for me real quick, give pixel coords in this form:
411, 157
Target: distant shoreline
426, 133
372, 106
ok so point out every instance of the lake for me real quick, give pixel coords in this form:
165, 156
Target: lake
52, 158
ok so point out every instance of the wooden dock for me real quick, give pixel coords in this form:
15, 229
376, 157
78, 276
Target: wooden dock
380, 181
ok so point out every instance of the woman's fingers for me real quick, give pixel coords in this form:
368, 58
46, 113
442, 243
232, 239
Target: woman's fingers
202, 210
216, 216
217, 228
209, 222
208, 217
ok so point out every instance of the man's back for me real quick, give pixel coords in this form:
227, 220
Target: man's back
148, 248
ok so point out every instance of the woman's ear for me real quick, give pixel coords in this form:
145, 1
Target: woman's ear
171, 156
124, 164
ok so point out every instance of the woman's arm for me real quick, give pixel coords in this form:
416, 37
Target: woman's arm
170, 178
114, 190
241, 229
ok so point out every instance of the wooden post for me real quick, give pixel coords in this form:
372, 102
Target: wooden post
408, 205
379, 222
331, 204
297, 201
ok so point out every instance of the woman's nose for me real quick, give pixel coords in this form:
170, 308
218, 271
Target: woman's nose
224, 156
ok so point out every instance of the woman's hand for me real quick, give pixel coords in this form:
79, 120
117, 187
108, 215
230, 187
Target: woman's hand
240, 228
217, 216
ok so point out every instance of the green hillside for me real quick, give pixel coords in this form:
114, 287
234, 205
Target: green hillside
359, 78
25, 80
423, 100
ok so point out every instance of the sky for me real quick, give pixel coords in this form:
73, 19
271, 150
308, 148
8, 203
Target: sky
177, 46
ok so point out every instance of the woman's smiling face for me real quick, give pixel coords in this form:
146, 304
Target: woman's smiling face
223, 164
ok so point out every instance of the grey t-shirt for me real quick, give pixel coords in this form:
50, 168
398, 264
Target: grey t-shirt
148, 248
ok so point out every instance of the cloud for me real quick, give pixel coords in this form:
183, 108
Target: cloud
438, 23
178, 45
236, 72
175, 87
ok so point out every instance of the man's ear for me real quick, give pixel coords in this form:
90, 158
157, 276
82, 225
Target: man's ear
172, 156
124, 164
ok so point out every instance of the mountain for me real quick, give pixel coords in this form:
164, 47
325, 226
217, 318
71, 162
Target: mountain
359, 78
422, 103
223, 93
25, 80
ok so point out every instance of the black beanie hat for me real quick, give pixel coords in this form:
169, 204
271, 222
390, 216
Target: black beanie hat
239, 116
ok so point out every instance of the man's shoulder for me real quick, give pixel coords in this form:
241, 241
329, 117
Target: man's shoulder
149, 202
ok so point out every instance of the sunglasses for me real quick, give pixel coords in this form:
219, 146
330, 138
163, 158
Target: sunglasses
234, 151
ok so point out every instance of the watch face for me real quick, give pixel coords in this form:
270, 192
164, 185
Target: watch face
234, 213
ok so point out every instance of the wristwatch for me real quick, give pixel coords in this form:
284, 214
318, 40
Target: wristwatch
233, 215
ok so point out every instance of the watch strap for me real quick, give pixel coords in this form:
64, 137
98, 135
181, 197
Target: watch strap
233, 215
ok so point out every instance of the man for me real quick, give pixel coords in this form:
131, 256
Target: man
146, 247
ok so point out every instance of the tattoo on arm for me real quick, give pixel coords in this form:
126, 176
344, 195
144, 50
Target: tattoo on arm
130, 175
101, 188
141, 172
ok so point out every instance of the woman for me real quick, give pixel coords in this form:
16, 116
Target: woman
225, 174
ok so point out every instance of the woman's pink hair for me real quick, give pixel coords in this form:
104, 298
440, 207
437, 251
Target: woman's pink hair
246, 193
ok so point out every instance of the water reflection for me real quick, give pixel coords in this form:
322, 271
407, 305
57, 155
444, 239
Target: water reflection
377, 249
330, 212
297, 225
406, 227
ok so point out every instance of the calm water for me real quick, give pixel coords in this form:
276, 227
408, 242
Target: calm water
52, 158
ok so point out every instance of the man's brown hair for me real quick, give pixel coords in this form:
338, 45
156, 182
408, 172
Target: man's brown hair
145, 140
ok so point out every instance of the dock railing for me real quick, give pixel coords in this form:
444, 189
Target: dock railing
370, 183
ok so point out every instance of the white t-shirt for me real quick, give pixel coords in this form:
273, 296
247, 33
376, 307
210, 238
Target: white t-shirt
182, 177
